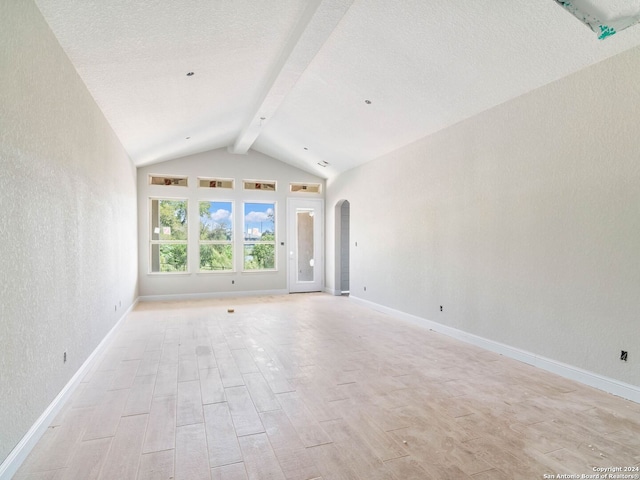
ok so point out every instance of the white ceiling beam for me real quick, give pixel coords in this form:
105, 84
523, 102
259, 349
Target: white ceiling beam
316, 24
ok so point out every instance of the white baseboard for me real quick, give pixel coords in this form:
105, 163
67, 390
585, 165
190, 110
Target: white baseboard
205, 296
12, 463
610, 385
332, 291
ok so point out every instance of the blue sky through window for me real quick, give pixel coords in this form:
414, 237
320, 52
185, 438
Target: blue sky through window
258, 218
220, 213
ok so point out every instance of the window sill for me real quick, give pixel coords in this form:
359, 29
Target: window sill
168, 274
217, 272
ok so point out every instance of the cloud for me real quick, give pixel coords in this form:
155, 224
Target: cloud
259, 216
220, 215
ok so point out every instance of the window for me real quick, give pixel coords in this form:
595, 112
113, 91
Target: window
215, 182
216, 236
175, 180
168, 235
268, 185
305, 187
259, 236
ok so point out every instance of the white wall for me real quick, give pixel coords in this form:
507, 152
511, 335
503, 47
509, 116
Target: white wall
218, 163
522, 222
68, 222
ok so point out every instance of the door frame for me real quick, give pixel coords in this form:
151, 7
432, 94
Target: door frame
293, 203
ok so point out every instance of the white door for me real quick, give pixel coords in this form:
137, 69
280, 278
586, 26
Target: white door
305, 226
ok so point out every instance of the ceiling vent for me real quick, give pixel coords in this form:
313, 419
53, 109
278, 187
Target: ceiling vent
604, 17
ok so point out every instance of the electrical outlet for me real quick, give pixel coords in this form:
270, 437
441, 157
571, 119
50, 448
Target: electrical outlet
233, 282
64, 357
623, 355
440, 307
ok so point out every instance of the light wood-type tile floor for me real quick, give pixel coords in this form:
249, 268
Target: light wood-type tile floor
313, 386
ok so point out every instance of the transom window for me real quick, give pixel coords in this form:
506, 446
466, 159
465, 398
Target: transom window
266, 185
215, 182
305, 187
175, 180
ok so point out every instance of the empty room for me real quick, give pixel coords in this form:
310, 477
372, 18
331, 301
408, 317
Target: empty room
319, 239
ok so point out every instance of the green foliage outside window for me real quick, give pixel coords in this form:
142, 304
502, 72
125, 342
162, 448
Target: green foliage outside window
173, 258
168, 236
261, 256
259, 236
216, 250
173, 219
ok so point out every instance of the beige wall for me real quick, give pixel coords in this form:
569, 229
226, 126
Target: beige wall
218, 163
522, 222
68, 222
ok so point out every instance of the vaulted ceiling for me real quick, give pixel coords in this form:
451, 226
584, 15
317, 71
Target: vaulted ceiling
312, 82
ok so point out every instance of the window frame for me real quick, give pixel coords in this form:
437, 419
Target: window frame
304, 188
153, 242
170, 179
231, 242
273, 242
259, 185
216, 179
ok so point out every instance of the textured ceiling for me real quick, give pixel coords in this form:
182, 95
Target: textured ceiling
289, 78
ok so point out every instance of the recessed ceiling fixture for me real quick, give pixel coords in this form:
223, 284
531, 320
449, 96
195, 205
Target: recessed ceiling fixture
368, 102
323, 163
190, 74
604, 17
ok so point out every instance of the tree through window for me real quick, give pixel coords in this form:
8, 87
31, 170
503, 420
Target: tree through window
168, 235
259, 236
216, 236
